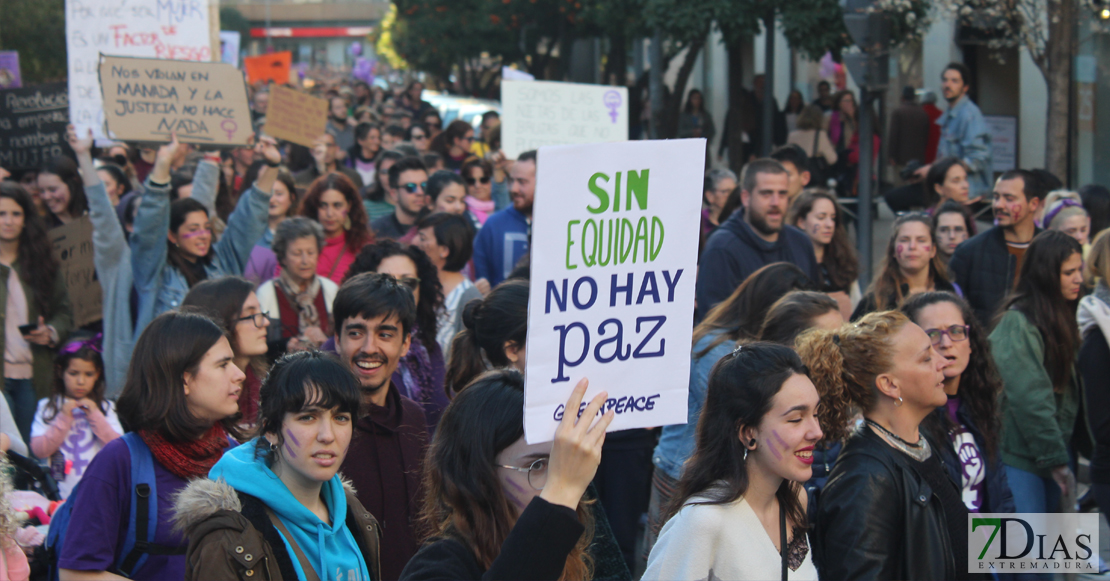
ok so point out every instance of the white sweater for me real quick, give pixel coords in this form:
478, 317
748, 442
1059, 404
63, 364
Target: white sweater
715, 541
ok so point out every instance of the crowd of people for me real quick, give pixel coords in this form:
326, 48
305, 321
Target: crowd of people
309, 363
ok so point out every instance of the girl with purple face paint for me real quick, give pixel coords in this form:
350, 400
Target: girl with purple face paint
911, 266
500, 508
740, 509
285, 485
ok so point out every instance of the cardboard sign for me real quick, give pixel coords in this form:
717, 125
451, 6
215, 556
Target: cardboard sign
33, 125
73, 249
614, 262
269, 68
147, 99
295, 116
163, 29
539, 113
9, 70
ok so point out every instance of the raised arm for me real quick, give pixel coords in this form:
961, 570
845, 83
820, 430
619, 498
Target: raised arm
248, 222
152, 222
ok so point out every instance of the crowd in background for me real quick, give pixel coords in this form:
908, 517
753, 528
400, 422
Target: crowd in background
309, 360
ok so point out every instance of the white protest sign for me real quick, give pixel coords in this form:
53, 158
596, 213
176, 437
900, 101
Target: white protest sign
229, 47
163, 29
613, 267
539, 113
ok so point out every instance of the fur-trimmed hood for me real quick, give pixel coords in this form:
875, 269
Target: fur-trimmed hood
202, 498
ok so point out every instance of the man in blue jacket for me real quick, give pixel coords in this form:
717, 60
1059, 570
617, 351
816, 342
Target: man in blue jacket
503, 240
752, 239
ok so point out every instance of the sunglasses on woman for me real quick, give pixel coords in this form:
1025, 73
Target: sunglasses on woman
472, 181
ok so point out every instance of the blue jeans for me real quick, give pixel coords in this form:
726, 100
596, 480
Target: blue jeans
1033, 493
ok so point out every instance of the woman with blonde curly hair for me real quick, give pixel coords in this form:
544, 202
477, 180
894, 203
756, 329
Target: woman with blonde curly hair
889, 509
13, 563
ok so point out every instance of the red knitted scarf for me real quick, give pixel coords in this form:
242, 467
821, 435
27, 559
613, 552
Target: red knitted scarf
188, 459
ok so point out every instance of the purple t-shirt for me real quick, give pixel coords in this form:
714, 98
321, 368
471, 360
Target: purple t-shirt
102, 505
972, 466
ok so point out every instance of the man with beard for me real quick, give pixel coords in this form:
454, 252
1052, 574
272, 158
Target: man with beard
408, 180
503, 240
987, 265
752, 236
374, 317
964, 132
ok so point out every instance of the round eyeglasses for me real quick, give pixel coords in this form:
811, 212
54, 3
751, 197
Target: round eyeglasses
955, 333
537, 472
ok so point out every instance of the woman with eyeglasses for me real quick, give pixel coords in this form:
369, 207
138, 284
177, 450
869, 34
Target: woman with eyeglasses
500, 508
231, 302
477, 173
420, 373
1035, 344
952, 225
910, 267
433, 122
968, 428
418, 135
454, 144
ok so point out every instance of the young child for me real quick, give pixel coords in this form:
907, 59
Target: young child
13, 562
73, 424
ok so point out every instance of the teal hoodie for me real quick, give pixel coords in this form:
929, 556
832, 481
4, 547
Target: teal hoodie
330, 548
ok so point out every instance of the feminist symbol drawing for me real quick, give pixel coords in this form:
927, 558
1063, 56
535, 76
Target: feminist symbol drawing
229, 125
612, 100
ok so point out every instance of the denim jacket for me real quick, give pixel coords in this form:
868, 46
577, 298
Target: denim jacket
162, 287
676, 444
964, 134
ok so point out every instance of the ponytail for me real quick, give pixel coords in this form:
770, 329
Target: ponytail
489, 323
843, 364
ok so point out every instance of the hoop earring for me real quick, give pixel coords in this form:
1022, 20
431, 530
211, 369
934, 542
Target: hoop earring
898, 402
273, 447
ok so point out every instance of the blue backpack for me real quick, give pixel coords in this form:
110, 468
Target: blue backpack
142, 523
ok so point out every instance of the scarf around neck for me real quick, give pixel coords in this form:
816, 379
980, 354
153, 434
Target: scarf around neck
188, 460
305, 301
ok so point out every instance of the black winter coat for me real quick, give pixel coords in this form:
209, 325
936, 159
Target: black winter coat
877, 519
984, 269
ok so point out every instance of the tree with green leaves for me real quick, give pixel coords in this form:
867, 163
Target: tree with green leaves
37, 29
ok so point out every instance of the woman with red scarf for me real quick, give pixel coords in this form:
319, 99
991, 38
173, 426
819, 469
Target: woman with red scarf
182, 399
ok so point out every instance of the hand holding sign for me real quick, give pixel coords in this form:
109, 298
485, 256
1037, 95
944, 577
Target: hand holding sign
576, 452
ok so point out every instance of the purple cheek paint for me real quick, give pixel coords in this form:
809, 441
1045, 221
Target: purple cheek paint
512, 497
898, 250
289, 434
289, 450
778, 456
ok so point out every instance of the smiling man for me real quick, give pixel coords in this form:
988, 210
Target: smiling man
753, 238
374, 317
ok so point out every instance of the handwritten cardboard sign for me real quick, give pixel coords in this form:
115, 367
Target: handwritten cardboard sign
32, 125
73, 249
295, 116
539, 113
147, 99
614, 262
163, 29
273, 68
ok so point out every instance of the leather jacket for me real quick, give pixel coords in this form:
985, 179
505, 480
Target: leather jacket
877, 519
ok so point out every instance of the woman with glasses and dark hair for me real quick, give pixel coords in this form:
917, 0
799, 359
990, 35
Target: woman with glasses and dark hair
743, 485
279, 499
299, 300
500, 508
454, 144
910, 267
420, 373
967, 429
1035, 343
477, 173
418, 135
952, 225
231, 302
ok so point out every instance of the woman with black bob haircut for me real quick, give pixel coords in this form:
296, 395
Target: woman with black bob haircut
1035, 343
180, 403
499, 508
495, 329
755, 442
448, 241
420, 373
282, 489
967, 429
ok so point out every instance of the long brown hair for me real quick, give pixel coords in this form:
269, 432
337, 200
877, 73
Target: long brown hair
464, 499
358, 235
36, 254
980, 384
840, 256
1039, 297
889, 280
221, 299
742, 387
844, 364
740, 316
